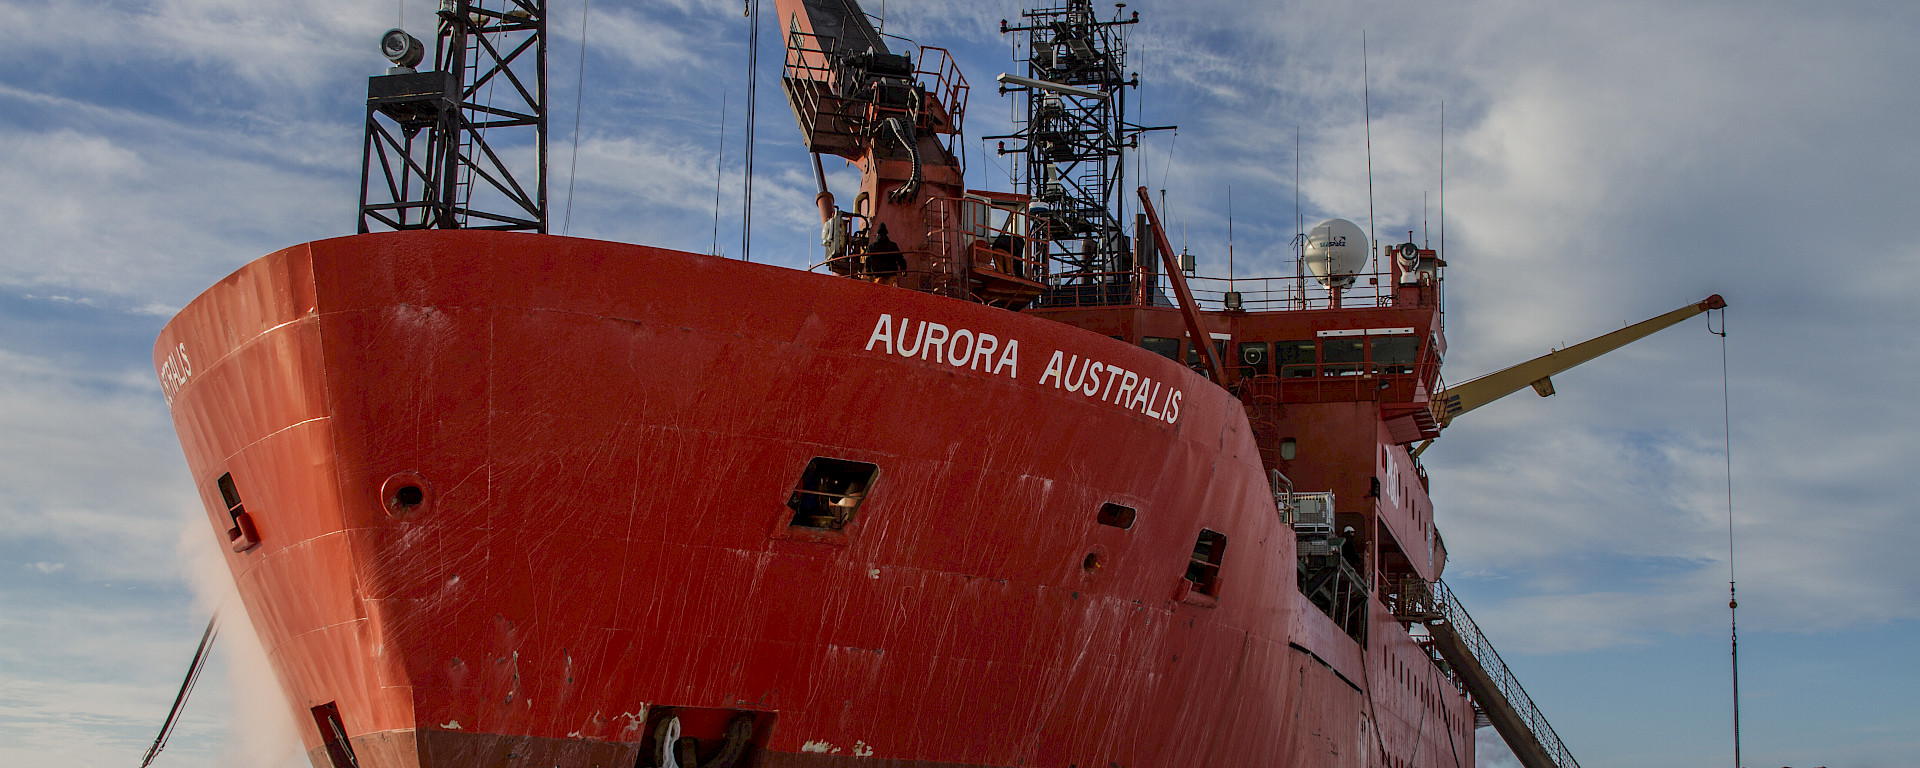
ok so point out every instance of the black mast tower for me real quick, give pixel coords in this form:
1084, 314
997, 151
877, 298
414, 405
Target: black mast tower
435, 141
1074, 135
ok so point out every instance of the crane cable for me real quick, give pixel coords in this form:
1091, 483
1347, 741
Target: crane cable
186, 688
1733, 602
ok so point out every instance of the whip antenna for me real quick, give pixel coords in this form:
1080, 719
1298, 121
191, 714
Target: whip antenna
753, 79
1366, 106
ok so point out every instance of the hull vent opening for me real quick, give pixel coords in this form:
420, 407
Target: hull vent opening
242, 535
830, 492
699, 737
333, 736
1116, 515
1203, 570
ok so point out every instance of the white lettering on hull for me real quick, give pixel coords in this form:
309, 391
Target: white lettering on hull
175, 371
976, 351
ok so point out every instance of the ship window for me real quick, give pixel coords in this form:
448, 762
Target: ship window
1204, 568
1295, 358
1162, 346
1219, 349
1117, 515
1342, 356
1253, 358
1394, 354
830, 492
333, 733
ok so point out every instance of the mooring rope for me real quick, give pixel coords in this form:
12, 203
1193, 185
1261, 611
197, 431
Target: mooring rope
186, 688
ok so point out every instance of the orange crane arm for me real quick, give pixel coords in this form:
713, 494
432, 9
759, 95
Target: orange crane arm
1538, 372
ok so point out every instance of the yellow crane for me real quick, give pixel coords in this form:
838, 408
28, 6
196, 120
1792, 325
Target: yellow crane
1538, 372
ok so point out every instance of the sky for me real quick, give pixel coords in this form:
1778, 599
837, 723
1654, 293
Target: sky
1604, 163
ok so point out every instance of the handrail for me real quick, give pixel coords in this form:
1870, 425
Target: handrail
1436, 605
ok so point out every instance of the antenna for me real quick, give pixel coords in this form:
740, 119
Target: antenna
719, 158
1366, 102
1073, 137
1443, 181
753, 79
428, 160
1229, 237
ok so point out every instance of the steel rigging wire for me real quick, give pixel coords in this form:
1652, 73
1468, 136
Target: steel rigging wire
1733, 597
580, 89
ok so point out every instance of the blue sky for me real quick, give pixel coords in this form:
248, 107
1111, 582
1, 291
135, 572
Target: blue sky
1605, 163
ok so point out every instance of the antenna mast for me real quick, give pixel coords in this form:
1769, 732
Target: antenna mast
1074, 134
437, 142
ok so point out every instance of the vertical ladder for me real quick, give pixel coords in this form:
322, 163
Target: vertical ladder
1478, 666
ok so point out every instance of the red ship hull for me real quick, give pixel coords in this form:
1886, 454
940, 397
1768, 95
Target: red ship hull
605, 438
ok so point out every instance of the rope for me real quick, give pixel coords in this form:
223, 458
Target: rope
186, 688
1733, 601
580, 89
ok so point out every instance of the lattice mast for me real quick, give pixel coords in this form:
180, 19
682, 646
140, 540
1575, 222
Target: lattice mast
463, 145
1074, 137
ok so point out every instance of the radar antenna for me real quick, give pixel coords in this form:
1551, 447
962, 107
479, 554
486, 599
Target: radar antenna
444, 148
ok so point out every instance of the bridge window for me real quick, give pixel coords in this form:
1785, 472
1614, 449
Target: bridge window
1204, 568
1219, 348
1394, 354
1162, 346
1342, 356
1254, 360
1295, 358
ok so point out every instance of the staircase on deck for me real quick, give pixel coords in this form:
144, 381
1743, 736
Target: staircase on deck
1458, 642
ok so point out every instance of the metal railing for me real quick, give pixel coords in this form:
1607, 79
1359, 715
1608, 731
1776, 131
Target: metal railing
937, 70
1148, 287
1419, 600
965, 231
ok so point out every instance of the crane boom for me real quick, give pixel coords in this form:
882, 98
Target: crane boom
1538, 372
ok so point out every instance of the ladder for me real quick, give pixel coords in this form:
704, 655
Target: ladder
1478, 667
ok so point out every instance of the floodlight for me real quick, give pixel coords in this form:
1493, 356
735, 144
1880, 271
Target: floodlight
402, 49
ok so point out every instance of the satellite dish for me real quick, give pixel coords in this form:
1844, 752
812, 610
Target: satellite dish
1337, 250
402, 49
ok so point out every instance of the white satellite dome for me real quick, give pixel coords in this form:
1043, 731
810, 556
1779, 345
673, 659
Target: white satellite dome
1337, 250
